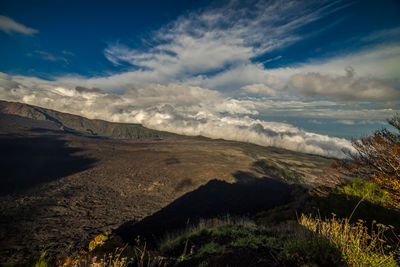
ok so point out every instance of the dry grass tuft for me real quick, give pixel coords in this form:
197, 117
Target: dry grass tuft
359, 247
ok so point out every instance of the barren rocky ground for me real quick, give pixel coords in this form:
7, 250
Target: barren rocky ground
59, 189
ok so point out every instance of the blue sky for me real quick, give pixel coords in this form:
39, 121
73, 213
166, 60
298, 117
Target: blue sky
78, 32
272, 72
72, 35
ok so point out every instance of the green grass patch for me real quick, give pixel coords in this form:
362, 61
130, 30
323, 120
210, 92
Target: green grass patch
369, 191
210, 248
360, 199
256, 241
271, 168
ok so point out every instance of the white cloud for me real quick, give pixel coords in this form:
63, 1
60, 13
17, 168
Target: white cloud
198, 43
50, 57
376, 62
346, 122
8, 25
375, 77
388, 34
259, 88
343, 87
176, 108
213, 49
316, 122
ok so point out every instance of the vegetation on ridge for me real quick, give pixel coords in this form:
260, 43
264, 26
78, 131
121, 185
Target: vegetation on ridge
271, 168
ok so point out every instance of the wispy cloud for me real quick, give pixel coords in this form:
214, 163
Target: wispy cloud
50, 57
219, 38
8, 25
213, 49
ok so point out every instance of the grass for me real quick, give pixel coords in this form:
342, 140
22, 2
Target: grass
301, 247
205, 232
280, 245
314, 241
271, 168
357, 200
358, 245
364, 189
210, 248
311, 240
111, 251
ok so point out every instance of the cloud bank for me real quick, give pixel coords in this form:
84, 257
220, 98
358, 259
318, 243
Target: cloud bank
259, 88
343, 87
8, 25
176, 108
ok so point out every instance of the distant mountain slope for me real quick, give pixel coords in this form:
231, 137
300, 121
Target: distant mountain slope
92, 127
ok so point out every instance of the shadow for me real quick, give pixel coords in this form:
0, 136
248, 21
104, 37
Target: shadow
247, 196
343, 206
67, 131
184, 183
27, 162
171, 161
44, 130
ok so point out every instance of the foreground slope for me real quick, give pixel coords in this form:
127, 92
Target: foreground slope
62, 185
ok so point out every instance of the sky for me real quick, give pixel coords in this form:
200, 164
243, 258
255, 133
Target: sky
302, 75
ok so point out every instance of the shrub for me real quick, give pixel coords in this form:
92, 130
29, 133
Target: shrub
377, 158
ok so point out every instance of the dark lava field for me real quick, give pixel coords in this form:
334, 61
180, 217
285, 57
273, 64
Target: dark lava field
61, 187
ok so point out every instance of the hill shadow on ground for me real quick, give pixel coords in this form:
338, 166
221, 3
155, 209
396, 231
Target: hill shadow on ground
27, 162
247, 196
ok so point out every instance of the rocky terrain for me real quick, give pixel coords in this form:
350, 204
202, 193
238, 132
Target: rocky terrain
66, 179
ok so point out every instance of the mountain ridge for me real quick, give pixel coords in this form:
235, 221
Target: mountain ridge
67, 121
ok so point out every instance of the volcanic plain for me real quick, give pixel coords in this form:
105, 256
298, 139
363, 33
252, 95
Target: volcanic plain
62, 185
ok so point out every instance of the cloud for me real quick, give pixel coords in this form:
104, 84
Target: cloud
345, 87
374, 68
213, 49
380, 61
8, 25
346, 122
67, 53
387, 34
50, 57
82, 89
316, 122
176, 108
210, 41
259, 88
190, 77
